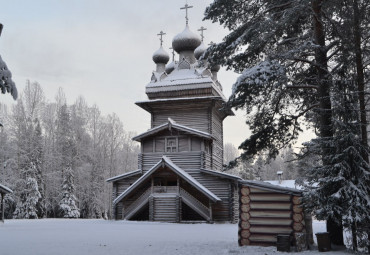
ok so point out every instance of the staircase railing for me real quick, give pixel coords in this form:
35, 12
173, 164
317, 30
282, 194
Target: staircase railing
195, 204
137, 204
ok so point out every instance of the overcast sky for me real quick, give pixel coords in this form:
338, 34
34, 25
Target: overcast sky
102, 50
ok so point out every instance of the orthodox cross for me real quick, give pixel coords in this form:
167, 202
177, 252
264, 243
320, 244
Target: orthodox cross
201, 32
186, 7
173, 54
161, 34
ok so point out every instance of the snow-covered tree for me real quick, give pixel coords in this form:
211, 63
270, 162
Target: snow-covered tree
52, 136
29, 196
290, 54
6, 82
67, 204
339, 189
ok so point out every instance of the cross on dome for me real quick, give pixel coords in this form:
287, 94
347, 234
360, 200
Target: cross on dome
173, 54
201, 29
186, 7
161, 34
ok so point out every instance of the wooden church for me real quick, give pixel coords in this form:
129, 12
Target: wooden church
180, 165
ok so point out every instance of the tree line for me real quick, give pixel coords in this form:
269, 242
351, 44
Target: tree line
56, 157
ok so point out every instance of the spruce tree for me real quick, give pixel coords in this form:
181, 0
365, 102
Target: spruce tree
68, 201
339, 189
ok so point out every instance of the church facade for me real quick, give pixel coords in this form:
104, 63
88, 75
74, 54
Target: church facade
180, 174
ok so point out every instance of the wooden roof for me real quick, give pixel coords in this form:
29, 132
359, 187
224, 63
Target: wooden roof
165, 161
171, 124
221, 174
124, 176
270, 187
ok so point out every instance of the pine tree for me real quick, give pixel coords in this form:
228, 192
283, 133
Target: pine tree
6, 82
67, 204
29, 196
290, 54
339, 189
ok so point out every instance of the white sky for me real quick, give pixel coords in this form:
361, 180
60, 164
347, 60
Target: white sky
102, 50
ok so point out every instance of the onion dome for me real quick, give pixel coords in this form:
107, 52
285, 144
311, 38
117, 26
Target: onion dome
161, 56
200, 50
186, 41
170, 67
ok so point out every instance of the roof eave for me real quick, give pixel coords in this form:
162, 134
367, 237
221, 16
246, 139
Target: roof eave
271, 187
124, 176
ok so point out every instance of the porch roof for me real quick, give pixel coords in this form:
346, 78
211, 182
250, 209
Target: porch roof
171, 124
123, 176
165, 161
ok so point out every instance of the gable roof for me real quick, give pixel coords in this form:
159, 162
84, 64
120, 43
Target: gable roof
165, 161
124, 176
5, 190
171, 124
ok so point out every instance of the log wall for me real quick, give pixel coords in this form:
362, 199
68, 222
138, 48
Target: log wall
263, 214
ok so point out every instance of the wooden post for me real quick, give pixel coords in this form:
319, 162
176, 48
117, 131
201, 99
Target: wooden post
152, 185
210, 211
178, 185
2, 207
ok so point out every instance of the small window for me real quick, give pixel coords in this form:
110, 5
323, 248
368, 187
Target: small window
171, 145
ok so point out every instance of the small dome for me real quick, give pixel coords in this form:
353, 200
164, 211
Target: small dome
170, 67
186, 40
161, 56
200, 50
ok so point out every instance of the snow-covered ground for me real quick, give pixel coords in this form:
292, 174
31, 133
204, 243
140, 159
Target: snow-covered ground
90, 237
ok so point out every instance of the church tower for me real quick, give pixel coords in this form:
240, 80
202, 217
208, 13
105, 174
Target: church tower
180, 165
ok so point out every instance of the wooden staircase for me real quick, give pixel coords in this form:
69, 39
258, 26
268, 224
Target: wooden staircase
165, 207
137, 204
194, 204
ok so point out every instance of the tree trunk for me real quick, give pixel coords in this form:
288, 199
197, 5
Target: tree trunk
360, 79
325, 114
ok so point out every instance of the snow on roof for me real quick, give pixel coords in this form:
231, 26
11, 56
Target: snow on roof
178, 99
169, 125
123, 176
4, 189
220, 174
268, 186
166, 161
286, 184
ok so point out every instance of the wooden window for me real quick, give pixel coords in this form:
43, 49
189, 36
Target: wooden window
171, 144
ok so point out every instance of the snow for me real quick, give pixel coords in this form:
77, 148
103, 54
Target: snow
93, 237
286, 183
174, 125
6, 82
5, 189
